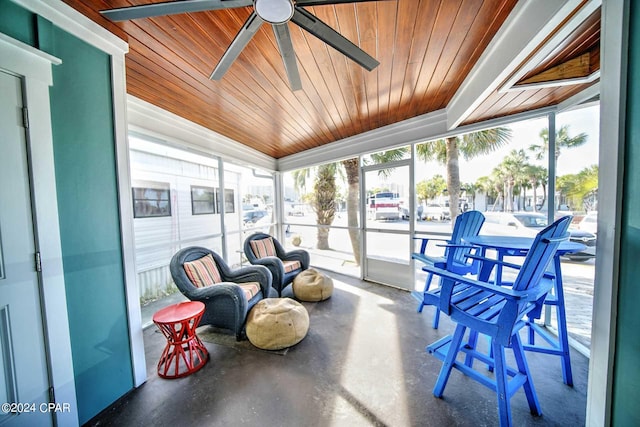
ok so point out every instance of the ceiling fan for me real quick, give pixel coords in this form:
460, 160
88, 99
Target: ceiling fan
275, 12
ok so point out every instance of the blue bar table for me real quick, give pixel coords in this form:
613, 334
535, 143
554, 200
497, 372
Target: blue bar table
519, 246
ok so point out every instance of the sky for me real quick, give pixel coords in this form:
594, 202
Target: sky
526, 133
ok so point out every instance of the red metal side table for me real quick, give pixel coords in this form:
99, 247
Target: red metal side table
184, 353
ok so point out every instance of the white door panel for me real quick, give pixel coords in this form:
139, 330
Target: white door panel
23, 368
387, 240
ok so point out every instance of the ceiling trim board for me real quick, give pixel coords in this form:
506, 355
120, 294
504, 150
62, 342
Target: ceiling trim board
75, 23
582, 15
148, 119
524, 30
384, 138
434, 129
574, 68
557, 83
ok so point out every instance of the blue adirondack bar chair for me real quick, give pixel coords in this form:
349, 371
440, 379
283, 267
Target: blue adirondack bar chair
455, 259
497, 312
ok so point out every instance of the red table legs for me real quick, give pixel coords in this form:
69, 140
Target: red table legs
184, 353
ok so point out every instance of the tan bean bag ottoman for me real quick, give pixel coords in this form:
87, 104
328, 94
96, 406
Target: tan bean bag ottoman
311, 285
277, 323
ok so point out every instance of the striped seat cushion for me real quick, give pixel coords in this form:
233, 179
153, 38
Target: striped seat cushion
289, 266
203, 271
263, 247
250, 289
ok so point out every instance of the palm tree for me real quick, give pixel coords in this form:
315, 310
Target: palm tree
325, 210
492, 186
470, 145
537, 176
487, 184
499, 179
324, 201
511, 169
563, 140
352, 169
470, 189
300, 179
387, 157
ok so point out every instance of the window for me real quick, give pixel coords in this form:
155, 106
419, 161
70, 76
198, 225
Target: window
151, 200
229, 201
202, 200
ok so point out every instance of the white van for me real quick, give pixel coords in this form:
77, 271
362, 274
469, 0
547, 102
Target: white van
385, 205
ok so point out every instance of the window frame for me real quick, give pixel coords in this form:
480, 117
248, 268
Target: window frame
229, 199
213, 191
162, 186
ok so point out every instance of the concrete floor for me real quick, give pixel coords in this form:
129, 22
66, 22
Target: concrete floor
362, 363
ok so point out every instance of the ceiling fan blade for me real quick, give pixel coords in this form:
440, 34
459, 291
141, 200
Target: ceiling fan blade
243, 37
334, 39
283, 37
323, 2
171, 8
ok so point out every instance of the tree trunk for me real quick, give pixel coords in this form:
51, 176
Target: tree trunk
323, 238
453, 177
495, 204
353, 188
535, 196
324, 202
505, 196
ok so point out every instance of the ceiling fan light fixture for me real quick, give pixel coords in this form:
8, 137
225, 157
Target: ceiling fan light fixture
274, 11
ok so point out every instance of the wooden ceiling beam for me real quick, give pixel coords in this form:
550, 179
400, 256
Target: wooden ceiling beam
574, 68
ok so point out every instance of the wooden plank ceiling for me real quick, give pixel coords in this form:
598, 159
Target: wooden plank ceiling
425, 48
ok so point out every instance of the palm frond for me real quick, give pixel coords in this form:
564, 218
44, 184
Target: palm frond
483, 142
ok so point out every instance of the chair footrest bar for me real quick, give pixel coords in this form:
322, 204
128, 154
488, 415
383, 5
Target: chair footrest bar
441, 347
540, 349
545, 335
417, 295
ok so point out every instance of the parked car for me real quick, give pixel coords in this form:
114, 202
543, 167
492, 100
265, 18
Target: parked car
434, 211
296, 210
589, 222
257, 220
253, 216
403, 207
528, 224
404, 213
586, 238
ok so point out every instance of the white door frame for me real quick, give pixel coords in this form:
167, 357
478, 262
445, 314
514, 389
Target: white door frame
613, 85
377, 267
34, 67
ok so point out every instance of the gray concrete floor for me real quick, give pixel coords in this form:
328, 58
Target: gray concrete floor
148, 310
362, 363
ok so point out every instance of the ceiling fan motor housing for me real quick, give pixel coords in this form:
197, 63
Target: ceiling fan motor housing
274, 11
